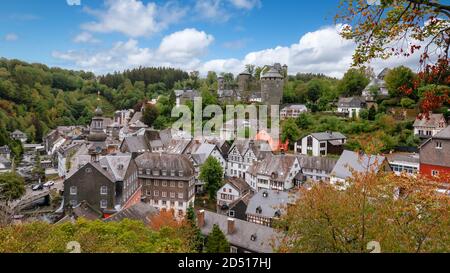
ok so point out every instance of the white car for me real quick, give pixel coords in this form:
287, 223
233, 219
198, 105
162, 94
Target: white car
49, 184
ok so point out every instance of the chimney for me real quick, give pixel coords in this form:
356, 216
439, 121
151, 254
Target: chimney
231, 227
201, 218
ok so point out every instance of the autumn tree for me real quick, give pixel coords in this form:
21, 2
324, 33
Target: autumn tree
402, 213
402, 28
211, 172
216, 242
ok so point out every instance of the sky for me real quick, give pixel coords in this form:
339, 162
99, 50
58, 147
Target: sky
103, 36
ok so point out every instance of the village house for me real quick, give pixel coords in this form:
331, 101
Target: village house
292, 111
243, 236
5, 164
232, 190
19, 135
238, 208
267, 205
428, 126
274, 172
64, 155
108, 185
351, 106
5, 151
243, 153
321, 144
376, 87
435, 156
355, 162
314, 169
199, 157
404, 163
167, 181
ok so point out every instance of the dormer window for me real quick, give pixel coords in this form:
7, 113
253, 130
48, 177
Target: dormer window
180, 173
438, 145
253, 237
172, 173
259, 210
164, 172
120, 167
277, 213
155, 172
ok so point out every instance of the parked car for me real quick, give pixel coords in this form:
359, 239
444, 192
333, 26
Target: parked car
37, 187
49, 184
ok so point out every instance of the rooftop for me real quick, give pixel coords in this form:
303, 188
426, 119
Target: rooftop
356, 162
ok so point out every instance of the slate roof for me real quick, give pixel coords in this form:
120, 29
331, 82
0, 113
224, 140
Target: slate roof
242, 237
328, 136
280, 165
272, 73
136, 117
239, 184
267, 203
136, 144
85, 210
168, 162
355, 102
317, 163
18, 132
432, 121
117, 165
139, 212
260, 148
356, 162
5, 150
403, 157
444, 134
300, 107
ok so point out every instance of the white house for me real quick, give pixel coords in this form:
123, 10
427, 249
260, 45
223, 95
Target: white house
292, 111
404, 163
428, 126
19, 135
351, 106
275, 172
321, 144
243, 153
353, 161
233, 189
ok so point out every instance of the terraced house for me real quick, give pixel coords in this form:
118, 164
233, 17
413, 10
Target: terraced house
275, 172
167, 181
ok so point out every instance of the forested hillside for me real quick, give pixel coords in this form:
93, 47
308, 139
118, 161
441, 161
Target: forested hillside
35, 98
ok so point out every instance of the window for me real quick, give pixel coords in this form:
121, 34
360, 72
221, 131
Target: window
164, 183
231, 213
180, 204
233, 249
172, 184
180, 173
164, 173
435, 173
172, 195
172, 173
104, 190
180, 195
103, 204
438, 145
164, 203
156, 193
156, 183
180, 184
88, 170
164, 194
73, 190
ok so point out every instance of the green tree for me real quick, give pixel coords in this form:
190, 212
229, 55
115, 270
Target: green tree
150, 114
290, 131
353, 83
399, 79
211, 172
217, 242
12, 186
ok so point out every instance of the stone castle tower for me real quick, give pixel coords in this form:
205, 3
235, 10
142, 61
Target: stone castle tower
244, 84
272, 84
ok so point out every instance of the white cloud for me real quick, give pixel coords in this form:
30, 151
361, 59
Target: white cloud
321, 51
85, 37
133, 18
73, 2
11, 37
236, 44
180, 49
246, 4
213, 10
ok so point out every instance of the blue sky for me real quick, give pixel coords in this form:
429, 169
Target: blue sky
221, 35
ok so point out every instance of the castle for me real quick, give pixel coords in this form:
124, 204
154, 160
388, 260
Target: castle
267, 90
